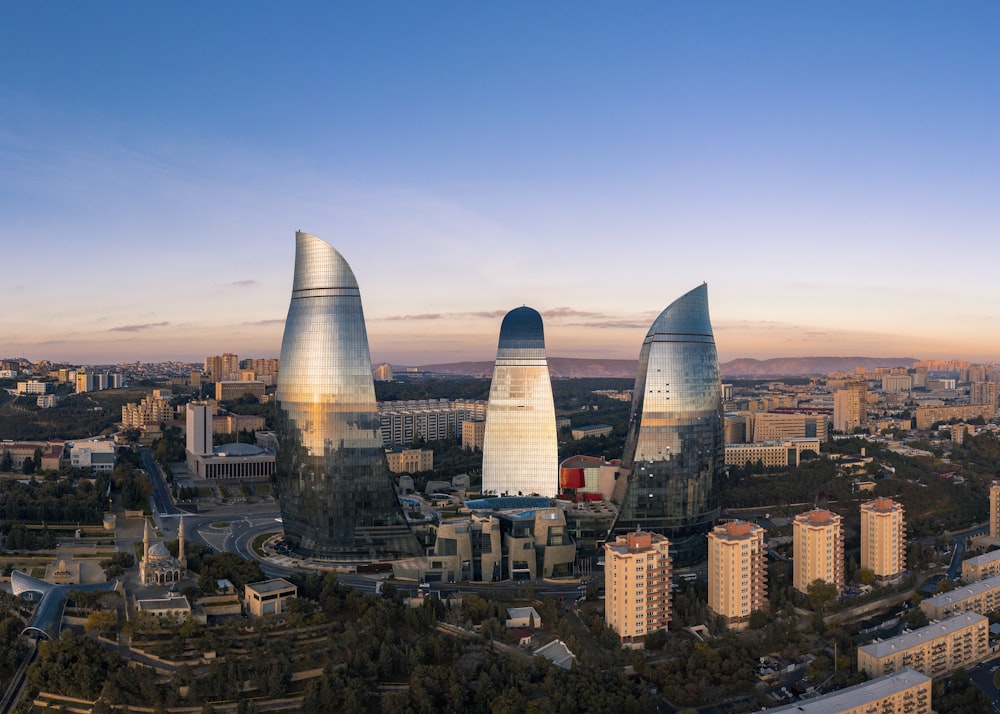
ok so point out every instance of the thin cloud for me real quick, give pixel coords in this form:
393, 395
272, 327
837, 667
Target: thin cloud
239, 284
275, 321
137, 328
611, 324
569, 312
490, 314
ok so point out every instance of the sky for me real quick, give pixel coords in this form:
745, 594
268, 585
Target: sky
831, 170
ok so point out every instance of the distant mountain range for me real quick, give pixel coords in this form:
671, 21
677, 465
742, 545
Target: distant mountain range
571, 367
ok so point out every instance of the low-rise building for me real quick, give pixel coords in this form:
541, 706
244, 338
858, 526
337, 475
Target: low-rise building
934, 650
906, 691
268, 597
981, 567
982, 597
409, 461
786, 453
228, 390
582, 432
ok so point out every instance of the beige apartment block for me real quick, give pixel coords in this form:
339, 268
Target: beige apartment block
818, 545
850, 407
981, 567
929, 416
984, 393
737, 573
637, 572
982, 596
935, 650
906, 691
473, 431
883, 539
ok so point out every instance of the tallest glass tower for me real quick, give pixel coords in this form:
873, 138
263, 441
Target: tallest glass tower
337, 496
674, 452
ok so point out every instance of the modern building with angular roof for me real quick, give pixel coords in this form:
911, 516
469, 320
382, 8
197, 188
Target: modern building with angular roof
337, 496
674, 451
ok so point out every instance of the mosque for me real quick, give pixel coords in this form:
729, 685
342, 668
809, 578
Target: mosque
157, 566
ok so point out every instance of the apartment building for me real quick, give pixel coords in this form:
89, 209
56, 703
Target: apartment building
906, 691
984, 393
737, 573
981, 567
473, 432
428, 419
818, 544
850, 407
150, 410
883, 539
929, 416
935, 650
637, 571
982, 596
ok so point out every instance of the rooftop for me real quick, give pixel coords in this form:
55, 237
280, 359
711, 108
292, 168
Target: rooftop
858, 695
924, 634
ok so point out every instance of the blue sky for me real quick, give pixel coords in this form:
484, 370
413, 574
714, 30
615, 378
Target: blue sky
831, 170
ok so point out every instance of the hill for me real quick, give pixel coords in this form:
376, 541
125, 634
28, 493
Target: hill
573, 368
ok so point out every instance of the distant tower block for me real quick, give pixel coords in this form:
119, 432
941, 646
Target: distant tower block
674, 451
338, 500
520, 450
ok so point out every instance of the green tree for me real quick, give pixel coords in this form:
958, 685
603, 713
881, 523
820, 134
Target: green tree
6, 462
821, 594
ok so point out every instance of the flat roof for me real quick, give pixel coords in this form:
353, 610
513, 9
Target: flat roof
859, 694
984, 558
965, 592
270, 586
924, 634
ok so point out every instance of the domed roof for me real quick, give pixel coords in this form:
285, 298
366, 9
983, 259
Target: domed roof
522, 329
237, 450
158, 551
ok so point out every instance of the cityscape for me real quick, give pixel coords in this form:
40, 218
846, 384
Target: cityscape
477, 359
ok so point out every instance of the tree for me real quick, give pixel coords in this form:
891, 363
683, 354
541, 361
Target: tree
821, 594
6, 462
865, 576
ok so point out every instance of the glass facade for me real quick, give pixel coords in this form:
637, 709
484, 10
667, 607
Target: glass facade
520, 453
674, 452
336, 493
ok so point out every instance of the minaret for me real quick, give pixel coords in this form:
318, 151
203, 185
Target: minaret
145, 542
180, 544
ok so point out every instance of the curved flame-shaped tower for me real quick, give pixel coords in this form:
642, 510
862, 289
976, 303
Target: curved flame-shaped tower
520, 451
337, 496
674, 452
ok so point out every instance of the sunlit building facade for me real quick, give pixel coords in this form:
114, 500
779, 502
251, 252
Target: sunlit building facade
818, 544
883, 539
637, 586
737, 572
520, 450
674, 451
336, 493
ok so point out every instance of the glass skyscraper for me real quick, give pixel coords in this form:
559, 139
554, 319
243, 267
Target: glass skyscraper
336, 493
674, 452
520, 452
